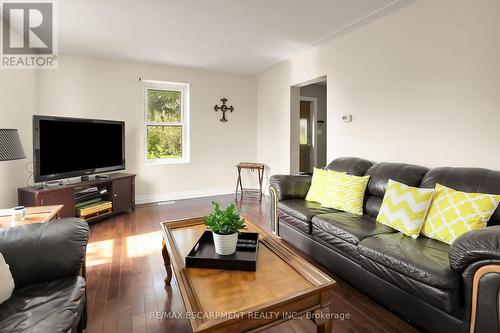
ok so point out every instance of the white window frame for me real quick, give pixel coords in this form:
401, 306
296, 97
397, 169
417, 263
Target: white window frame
183, 88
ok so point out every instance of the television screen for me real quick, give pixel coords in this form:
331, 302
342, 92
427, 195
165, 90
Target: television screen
67, 147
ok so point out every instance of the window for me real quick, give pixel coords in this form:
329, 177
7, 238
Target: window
166, 113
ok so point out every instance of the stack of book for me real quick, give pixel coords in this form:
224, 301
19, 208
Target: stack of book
93, 208
91, 202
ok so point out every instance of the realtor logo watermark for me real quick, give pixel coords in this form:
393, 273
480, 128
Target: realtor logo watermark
29, 34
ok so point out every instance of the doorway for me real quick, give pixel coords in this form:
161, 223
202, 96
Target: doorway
309, 130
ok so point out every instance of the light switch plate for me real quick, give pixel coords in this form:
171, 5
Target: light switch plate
347, 118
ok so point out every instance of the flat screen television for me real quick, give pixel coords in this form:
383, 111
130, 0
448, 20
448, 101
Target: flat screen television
72, 147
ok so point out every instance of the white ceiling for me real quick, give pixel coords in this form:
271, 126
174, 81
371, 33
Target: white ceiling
240, 36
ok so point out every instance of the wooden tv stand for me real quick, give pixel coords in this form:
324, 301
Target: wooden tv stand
121, 192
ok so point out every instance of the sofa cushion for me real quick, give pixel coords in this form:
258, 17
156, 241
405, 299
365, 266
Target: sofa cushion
349, 227
302, 209
53, 306
447, 300
299, 213
380, 173
298, 224
472, 180
331, 241
422, 259
351, 165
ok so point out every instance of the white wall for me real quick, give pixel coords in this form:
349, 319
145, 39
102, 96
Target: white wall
17, 102
108, 89
422, 85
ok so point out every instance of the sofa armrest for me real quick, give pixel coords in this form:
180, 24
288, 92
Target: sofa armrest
481, 283
476, 245
283, 187
45, 251
290, 186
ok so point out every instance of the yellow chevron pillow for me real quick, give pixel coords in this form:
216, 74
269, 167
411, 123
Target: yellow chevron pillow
404, 208
345, 192
453, 213
318, 185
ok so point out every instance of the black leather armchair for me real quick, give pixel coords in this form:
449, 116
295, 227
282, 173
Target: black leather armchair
47, 263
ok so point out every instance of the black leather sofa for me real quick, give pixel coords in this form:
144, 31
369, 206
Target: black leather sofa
437, 287
46, 262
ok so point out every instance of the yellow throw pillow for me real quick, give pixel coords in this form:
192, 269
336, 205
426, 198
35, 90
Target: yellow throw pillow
453, 213
404, 208
345, 192
318, 185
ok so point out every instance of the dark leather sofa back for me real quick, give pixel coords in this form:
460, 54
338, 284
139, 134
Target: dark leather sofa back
380, 173
352, 165
462, 179
45, 251
468, 180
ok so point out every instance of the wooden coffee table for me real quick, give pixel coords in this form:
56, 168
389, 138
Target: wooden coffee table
284, 287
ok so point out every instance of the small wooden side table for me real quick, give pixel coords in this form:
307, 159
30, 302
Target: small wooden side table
251, 166
38, 214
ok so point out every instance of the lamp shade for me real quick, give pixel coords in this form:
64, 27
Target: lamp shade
10, 145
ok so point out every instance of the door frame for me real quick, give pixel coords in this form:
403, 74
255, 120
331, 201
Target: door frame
313, 116
293, 129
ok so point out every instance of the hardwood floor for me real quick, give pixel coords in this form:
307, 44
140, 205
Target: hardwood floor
125, 272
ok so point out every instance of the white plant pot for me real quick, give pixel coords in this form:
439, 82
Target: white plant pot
225, 244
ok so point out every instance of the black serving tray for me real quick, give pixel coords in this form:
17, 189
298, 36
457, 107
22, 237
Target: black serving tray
203, 254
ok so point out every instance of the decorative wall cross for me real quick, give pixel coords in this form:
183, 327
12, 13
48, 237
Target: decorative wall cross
223, 108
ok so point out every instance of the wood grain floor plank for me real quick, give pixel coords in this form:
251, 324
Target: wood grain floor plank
125, 275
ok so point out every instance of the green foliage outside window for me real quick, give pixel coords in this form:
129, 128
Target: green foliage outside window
164, 106
164, 141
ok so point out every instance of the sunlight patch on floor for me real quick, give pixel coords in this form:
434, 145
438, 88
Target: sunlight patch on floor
144, 244
99, 253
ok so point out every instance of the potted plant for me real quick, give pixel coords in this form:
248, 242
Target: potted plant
225, 225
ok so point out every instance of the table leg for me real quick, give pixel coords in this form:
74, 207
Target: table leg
323, 320
241, 183
166, 261
237, 183
261, 176
322, 316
